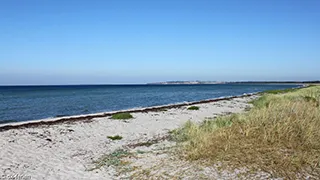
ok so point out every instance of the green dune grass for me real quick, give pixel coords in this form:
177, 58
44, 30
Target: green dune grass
122, 116
280, 135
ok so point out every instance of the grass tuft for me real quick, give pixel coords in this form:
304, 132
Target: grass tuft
193, 108
122, 116
279, 135
116, 137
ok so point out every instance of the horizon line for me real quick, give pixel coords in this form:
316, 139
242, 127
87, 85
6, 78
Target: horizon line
158, 83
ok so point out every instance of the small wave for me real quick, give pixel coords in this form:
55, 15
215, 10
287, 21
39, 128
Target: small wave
61, 115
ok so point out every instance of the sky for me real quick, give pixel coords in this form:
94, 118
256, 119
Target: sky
140, 41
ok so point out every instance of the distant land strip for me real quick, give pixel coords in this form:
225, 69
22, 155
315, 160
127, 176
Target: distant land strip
234, 82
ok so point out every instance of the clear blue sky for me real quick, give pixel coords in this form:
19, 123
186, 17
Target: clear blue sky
138, 41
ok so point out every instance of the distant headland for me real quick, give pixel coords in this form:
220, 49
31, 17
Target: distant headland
233, 82
188, 82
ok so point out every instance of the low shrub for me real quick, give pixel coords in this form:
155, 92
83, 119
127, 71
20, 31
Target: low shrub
116, 137
193, 108
122, 116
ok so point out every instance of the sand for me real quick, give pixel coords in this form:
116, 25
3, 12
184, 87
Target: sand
68, 150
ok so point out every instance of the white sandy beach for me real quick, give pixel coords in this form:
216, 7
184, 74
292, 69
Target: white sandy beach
67, 150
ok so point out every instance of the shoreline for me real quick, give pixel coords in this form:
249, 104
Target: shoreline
82, 117
69, 150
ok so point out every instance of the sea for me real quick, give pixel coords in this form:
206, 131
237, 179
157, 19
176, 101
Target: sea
24, 103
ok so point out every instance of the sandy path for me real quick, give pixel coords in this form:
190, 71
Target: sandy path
67, 150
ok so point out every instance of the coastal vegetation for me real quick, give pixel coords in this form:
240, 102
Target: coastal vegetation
116, 137
122, 116
193, 108
280, 91
279, 135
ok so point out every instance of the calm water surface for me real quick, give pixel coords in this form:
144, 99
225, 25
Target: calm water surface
22, 103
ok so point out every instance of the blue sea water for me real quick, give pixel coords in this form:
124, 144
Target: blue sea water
23, 103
